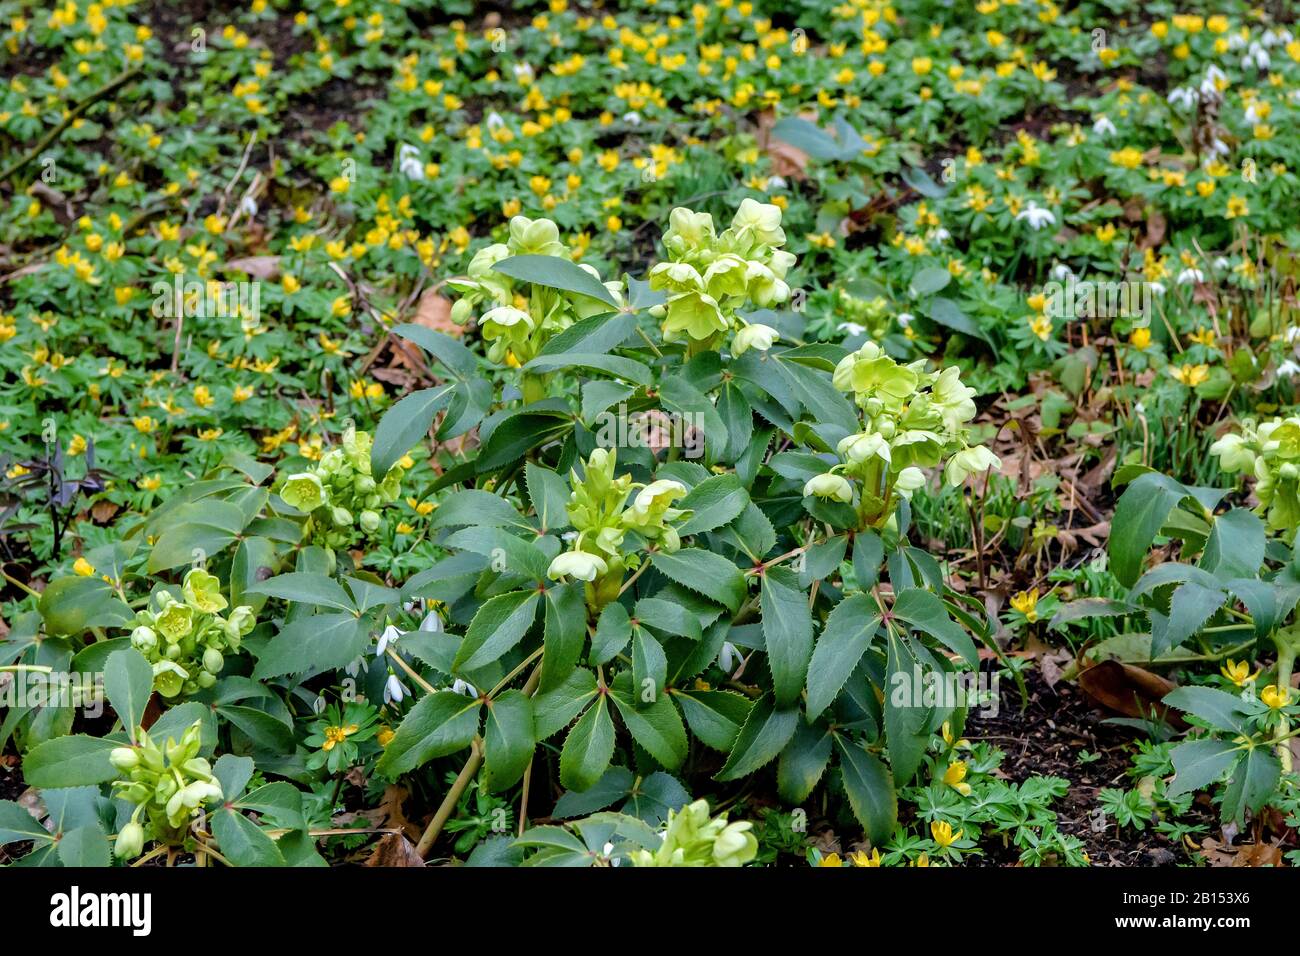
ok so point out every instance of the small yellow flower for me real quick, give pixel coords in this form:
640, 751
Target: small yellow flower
831, 859
385, 736
1238, 672
83, 567
943, 834
1026, 602
862, 859
922, 860
1275, 697
1140, 339
955, 777
1190, 375
1236, 207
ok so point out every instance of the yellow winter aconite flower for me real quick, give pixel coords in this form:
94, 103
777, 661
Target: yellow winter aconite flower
1128, 157
830, 859
943, 833
1275, 697
1190, 375
860, 858
83, 568
1238, 672
1140, 338
1026, 602
1237, 206
955, 777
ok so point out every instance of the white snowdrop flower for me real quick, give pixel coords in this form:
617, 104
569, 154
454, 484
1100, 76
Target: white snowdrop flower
1190, 275
1210, 85
494, 120
464, 687
248, 206
432, 623
1256, 56
1036, 216
1219, 148
1184, 97
851, 328
1291, 333
1157, 288
730, 658
632, 118
905, 319
524, 72
1103, 126
1221, 262
394, 690
606, 850
1288, 369
1139, 408
1250, 117
387, 639
354, 667
409, 162
569, 536
940, 235
776, 182
1061, 272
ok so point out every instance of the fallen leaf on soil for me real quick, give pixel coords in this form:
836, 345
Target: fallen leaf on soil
259, 267
434, 312
101, 511
393, 849
1129, 690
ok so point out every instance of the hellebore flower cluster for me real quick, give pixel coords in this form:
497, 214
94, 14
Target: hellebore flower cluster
692, 838
1271, 452
514, 326
912, 419
708, 277
169, 785
603, 517
340, 494
186, 640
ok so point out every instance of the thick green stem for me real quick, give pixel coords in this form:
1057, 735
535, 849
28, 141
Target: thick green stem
1286, 649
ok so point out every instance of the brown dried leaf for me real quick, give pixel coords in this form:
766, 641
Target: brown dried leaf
259, 267
434, 312
394, 849
1129, 690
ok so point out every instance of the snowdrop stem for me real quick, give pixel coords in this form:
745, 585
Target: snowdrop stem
410, 671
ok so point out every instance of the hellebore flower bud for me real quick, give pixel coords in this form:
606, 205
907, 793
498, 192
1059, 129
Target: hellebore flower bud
129, 842
213, 661
369, 521
124, 759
